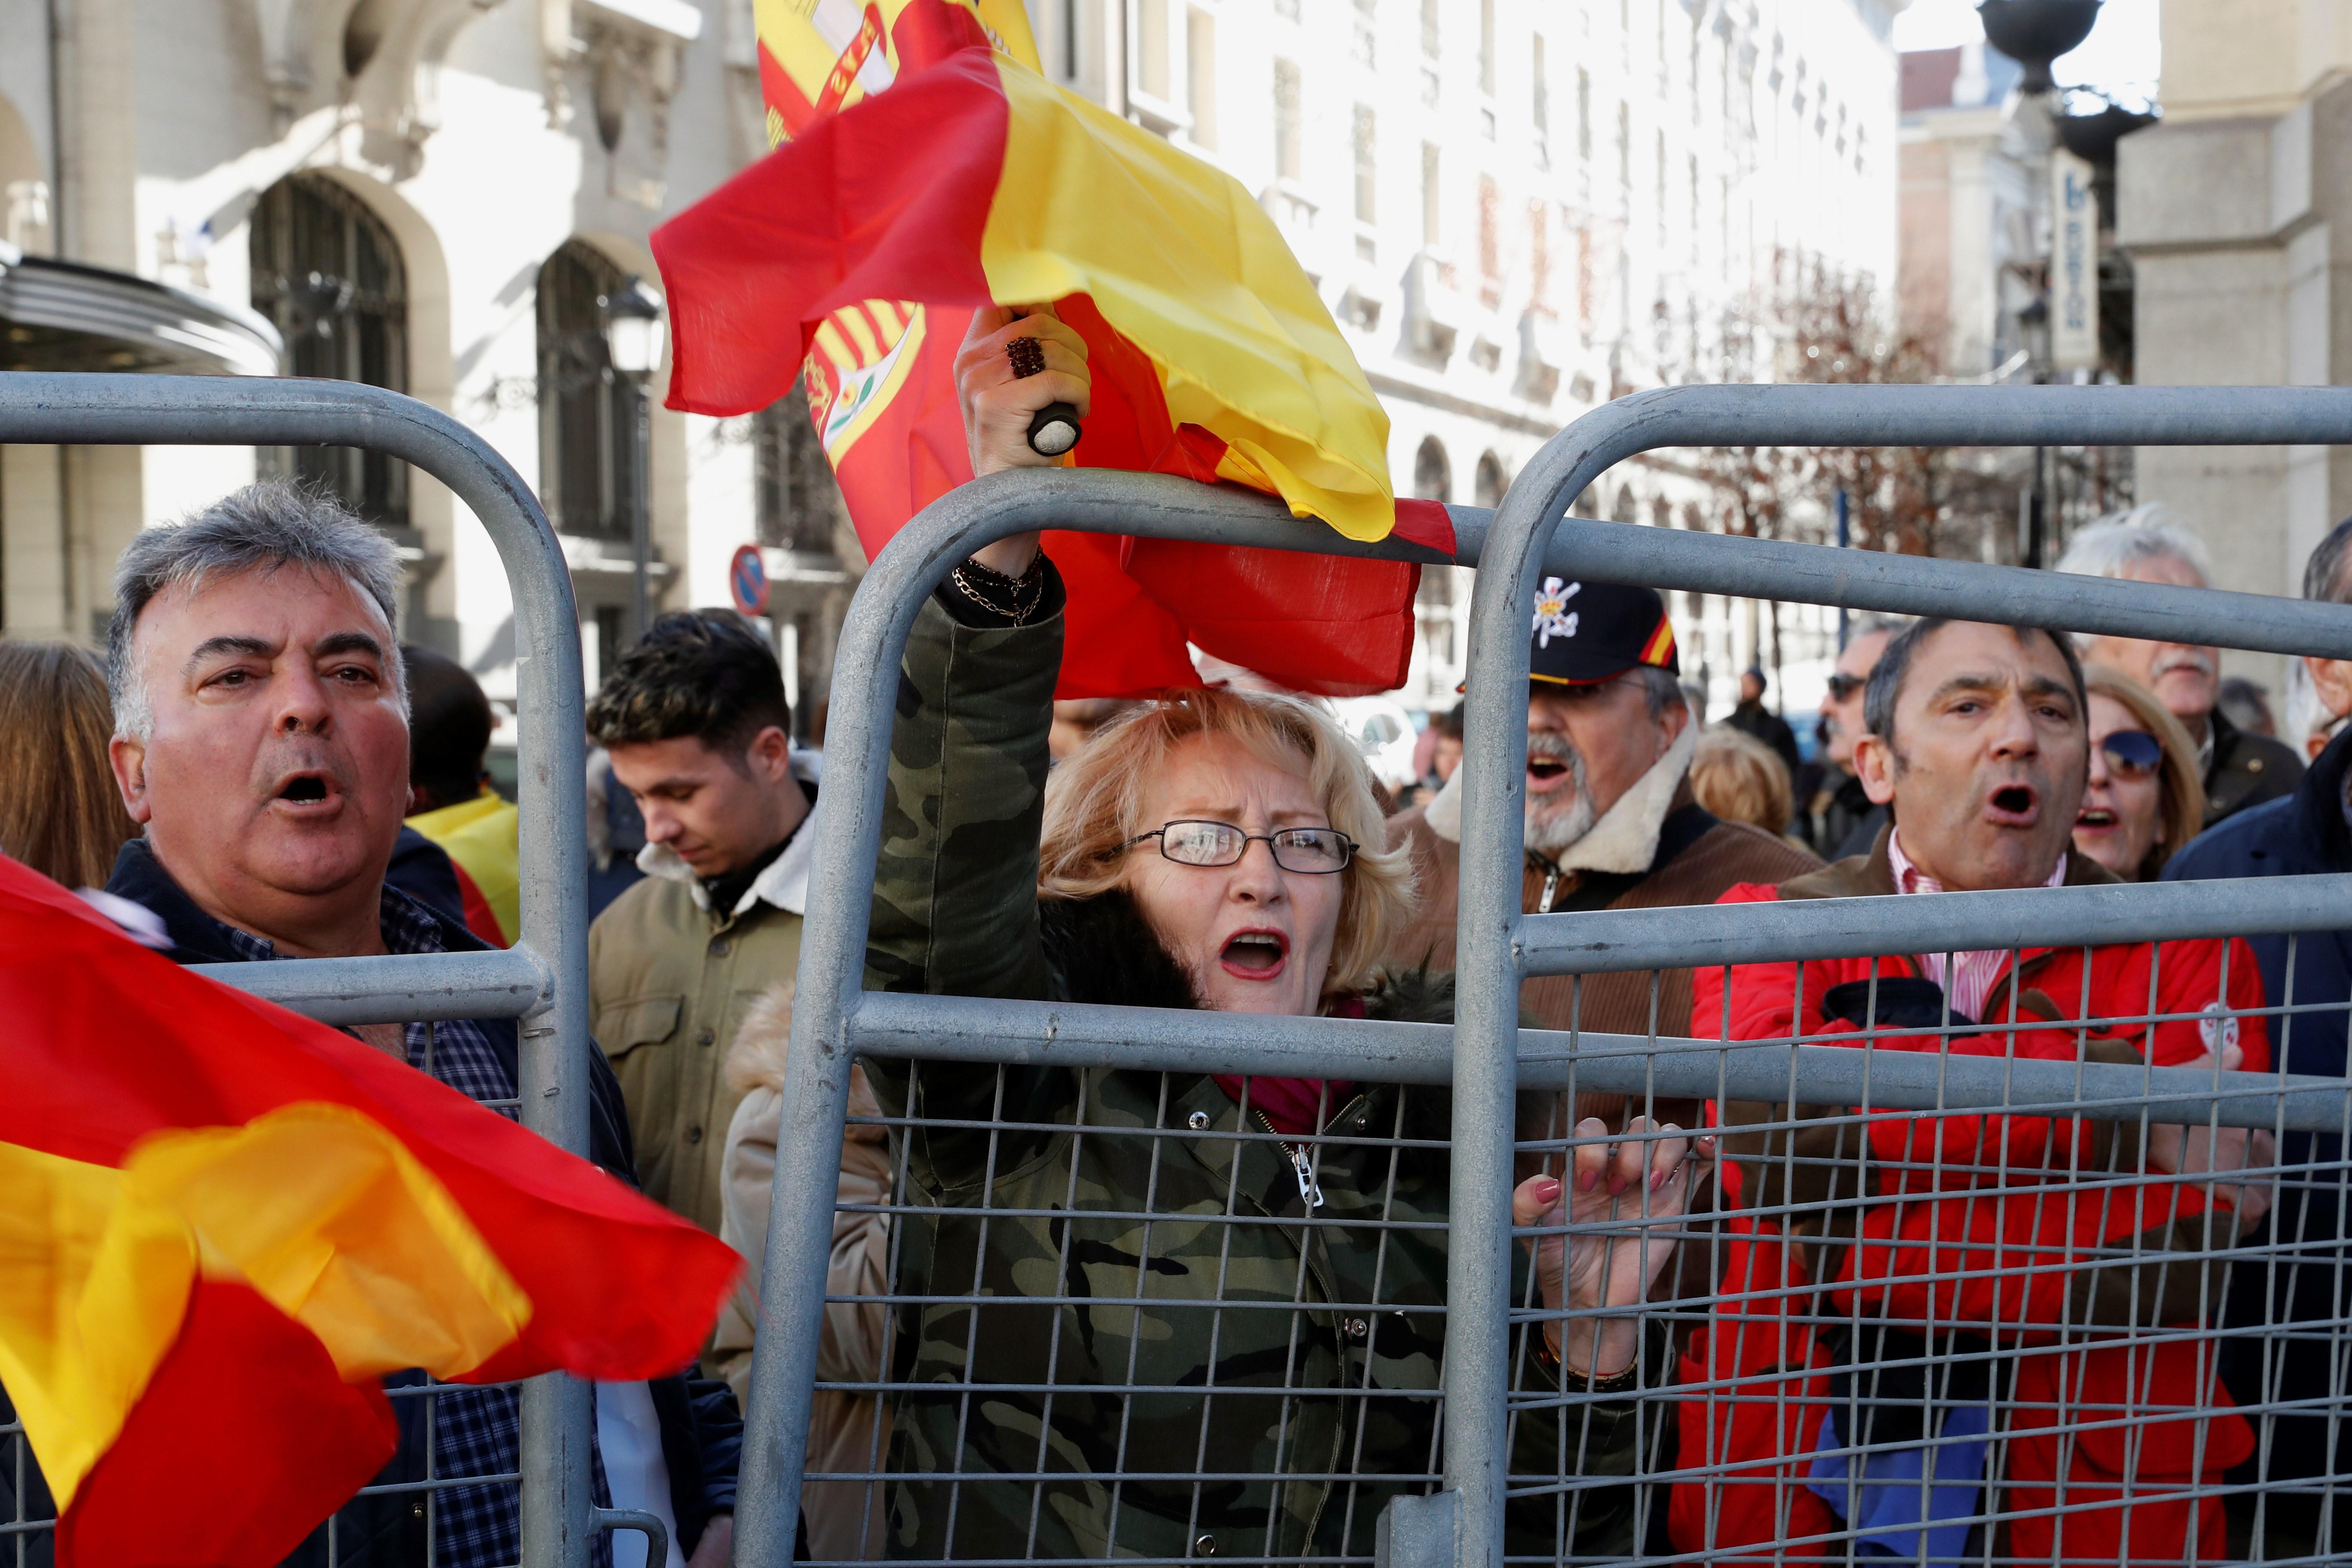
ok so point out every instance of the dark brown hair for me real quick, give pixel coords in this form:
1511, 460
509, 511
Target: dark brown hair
60, 812
705, 674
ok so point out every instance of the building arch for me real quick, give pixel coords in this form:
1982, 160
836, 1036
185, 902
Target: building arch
1433, 475
332, 277
1489, 482
425, 526
587, 445
1627, 506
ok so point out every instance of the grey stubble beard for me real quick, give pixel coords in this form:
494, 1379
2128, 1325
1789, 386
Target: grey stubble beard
1558, 820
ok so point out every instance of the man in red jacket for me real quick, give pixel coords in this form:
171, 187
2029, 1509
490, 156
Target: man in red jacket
1925, 1321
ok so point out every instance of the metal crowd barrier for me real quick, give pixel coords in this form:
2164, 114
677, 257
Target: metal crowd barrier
1453, 1508
542, 980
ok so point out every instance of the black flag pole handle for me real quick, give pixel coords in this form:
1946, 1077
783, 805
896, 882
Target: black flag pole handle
1052, 429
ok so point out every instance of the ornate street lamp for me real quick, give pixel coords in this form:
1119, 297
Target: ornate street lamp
2034, 33
633, 321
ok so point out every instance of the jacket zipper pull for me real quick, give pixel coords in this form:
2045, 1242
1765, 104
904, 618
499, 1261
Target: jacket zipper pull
1310, 1191
1550, 887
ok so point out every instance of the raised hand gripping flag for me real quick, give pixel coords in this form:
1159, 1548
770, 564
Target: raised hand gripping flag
222, 1223
924, 170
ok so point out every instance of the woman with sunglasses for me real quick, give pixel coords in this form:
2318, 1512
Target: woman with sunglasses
1168, 1365
2146, 799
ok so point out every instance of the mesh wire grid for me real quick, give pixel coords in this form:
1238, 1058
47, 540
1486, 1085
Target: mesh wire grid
1980, 1336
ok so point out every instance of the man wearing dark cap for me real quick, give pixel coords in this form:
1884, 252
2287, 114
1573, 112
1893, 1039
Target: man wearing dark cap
1610, 822
1752, 719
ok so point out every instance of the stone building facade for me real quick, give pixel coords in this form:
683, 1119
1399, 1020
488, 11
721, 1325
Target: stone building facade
433, 195
1518, 209
1515, 208
2237, 211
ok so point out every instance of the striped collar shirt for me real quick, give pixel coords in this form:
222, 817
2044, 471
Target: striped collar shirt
1972, 975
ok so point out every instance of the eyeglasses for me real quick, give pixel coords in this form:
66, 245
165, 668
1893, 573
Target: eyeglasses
1843, 687
2132, 753
1315, 851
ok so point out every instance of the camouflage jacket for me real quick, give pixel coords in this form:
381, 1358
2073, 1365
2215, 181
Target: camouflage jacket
1154, 1307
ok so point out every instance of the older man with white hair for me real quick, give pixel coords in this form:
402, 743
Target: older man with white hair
2151, 544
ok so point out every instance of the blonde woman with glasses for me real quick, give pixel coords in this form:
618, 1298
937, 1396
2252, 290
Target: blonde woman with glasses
1155, 1307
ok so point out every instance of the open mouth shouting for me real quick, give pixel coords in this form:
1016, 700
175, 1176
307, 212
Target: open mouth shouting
2096, 818
1550, 764
2013, 806
310, 792
1258, 953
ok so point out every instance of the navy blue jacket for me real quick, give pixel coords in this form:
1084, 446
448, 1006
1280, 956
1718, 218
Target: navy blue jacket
2297, 834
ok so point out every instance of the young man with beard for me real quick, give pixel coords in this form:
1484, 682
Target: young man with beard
1611, 821
2034, 1260
2146, 545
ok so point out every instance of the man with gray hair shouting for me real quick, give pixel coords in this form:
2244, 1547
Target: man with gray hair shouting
2150, 544
261, 740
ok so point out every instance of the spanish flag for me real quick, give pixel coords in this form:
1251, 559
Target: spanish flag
222, 1223
923, 169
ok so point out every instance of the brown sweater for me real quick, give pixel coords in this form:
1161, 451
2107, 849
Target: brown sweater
1700, 857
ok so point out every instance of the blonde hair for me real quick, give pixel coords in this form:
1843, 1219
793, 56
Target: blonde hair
2180, 798
1741, 779
1094, 804
60, 811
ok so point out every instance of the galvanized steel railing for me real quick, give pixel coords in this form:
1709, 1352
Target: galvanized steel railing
1484, 1055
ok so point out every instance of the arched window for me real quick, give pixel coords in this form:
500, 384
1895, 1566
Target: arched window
1433, 476
587, 440
1624, 509
327, 274
1432, 480
1490, 481
797, 503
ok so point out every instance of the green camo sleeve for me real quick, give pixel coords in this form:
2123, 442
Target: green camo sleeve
955, 890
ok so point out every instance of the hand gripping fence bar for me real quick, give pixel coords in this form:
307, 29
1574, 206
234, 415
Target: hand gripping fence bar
1484, 1055
542, 980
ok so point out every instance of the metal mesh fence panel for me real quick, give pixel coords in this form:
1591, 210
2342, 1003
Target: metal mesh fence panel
541, 980
2046, 1282
1982, 1334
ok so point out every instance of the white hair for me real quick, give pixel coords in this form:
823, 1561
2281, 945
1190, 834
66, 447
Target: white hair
261, 527
2154, 531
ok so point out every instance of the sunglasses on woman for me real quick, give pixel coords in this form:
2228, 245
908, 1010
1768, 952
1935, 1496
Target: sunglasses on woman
1314, 851
2132, 753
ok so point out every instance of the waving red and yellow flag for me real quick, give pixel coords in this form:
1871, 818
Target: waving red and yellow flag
221, 1224
926, 170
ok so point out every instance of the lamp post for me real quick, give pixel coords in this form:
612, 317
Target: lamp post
633, 319
2034, 33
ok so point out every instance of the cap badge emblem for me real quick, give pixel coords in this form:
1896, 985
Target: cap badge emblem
1553, 618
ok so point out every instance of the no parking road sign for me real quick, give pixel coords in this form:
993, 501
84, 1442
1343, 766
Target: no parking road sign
747, 580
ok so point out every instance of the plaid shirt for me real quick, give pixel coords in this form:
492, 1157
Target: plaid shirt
476, 1431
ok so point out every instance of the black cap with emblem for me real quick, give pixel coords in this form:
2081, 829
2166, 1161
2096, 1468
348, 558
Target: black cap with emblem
1587, 632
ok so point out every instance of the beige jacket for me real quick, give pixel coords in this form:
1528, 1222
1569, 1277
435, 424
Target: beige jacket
669, 981
847, 1432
